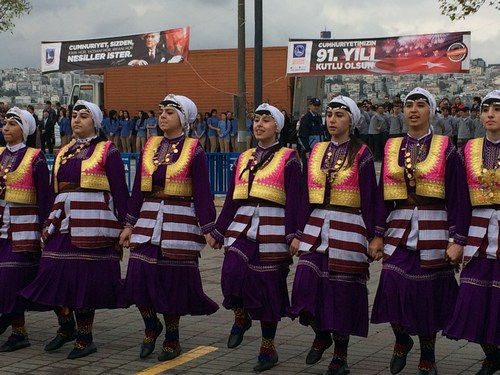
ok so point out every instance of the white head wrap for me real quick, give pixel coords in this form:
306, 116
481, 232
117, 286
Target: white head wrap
184, 106
349, 105
24, 119
492, 96
94, 110
275, 113
430, 98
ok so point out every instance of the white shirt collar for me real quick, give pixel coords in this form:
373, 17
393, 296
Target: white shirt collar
17, 147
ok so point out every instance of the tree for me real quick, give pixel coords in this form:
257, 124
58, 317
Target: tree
10, 9
459, 9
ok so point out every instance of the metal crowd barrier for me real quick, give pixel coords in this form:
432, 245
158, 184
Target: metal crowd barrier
220, 166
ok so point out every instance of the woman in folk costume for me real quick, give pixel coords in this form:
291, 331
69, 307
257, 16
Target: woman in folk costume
80, 265
170, 212
477, 311
24, 184
415, 223
329, 290
259, 222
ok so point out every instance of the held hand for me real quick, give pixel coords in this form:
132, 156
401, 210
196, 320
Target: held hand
454, 253
212, 242
294, 246
376, 248
125, 235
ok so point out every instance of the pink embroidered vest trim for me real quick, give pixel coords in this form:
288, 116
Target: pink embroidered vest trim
269, 181
477, 179
344, 190
429, 173
20, 185
178, 179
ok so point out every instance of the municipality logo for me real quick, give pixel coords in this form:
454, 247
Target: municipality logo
299, 50
50, 55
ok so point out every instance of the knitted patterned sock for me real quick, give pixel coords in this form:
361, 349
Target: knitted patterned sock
320, 339
241, 320
151, 323
18, 327
267, 348
492, 353
403, 343
427, 352
66, 321
171, 332
340, 351
84, 321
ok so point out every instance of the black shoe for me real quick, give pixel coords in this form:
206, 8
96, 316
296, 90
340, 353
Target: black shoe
4, 324
13, 345
489, 369
148, 348
235, 339
266, 365
59, 341
315, 354
79, 352
432, 371
169, 355
344, 370
398, 363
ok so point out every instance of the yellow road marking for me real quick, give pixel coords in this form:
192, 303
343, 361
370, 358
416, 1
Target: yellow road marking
180, 360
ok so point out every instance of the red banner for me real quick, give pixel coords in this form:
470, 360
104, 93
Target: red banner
167, 46
426, 53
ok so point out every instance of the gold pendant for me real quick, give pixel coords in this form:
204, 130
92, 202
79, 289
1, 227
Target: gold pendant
412, 183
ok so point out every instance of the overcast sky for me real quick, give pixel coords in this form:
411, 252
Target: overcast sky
214, 23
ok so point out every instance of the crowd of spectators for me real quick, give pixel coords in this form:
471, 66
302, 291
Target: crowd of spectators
218, 132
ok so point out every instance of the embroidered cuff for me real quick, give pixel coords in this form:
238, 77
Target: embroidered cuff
217, 236
451, 231
298, 234
459, 239
379, 231
290, 238
208, 228
130, 219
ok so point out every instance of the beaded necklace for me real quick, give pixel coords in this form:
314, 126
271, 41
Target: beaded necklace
413, 156
74, 151
487, 176
5, 168
164, 155
332, 169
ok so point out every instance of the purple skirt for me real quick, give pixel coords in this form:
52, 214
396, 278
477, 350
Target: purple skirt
338, 302
477, 311
420, 300
74, 277
168, 286
261, 286
17, 270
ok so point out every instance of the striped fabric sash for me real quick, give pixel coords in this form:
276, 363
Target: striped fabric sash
172, 225
423, 229
88, 216
264, 224
21, 224
483, 234
340, 234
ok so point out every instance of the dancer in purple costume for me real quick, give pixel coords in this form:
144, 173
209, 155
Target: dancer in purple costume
415, 223
80, 265
24, 184
170, 213
329, 290
257, 225
477, 311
